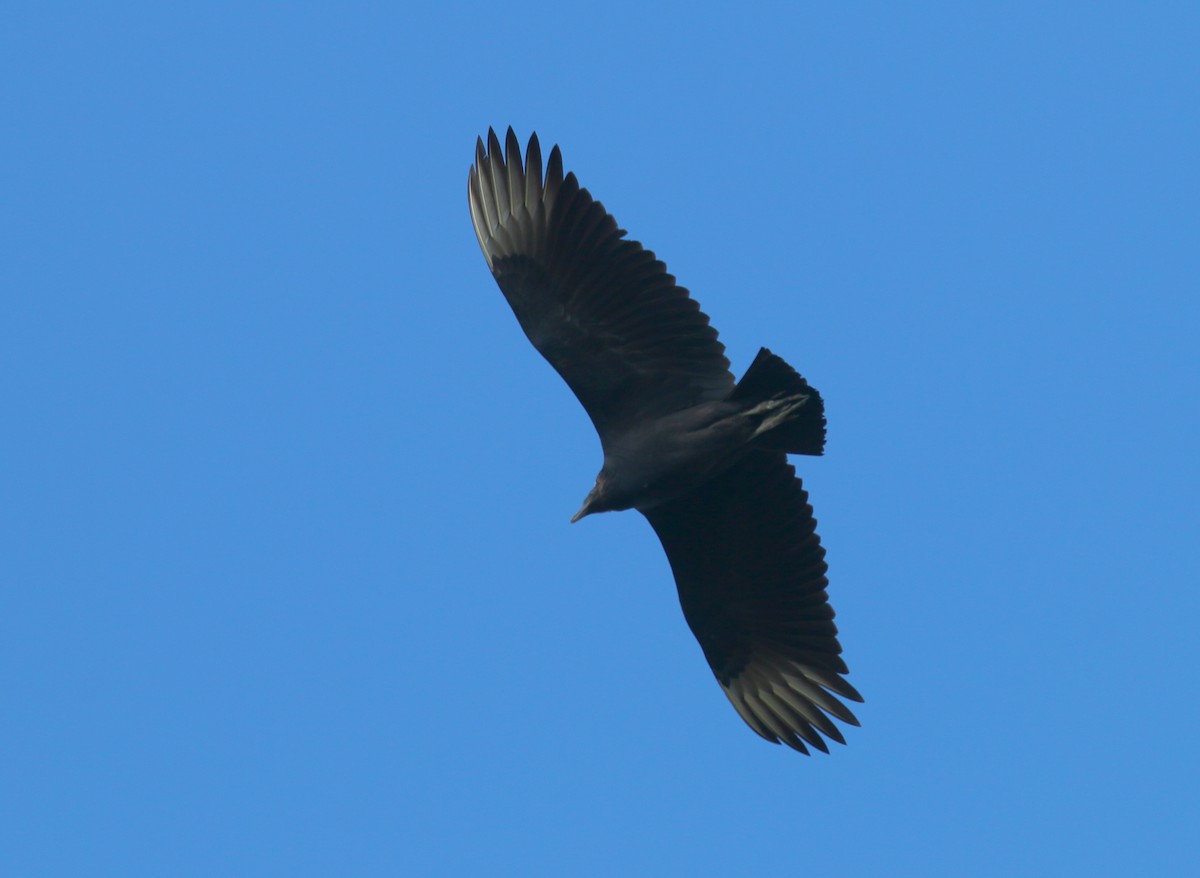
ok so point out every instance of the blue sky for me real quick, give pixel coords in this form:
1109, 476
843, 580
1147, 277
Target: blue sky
288, 583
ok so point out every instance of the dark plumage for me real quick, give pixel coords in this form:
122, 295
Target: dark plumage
703, 458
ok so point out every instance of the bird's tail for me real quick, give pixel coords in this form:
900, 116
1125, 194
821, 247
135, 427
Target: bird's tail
791, 413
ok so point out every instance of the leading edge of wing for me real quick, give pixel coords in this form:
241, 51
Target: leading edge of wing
599, 307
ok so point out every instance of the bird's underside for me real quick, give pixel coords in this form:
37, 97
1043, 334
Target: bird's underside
641, 357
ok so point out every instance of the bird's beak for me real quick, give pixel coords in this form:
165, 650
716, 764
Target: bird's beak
586, 508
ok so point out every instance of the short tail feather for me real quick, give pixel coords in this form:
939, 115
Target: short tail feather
801, 430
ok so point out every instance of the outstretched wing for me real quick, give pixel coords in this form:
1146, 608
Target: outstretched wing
600, 308
751, 577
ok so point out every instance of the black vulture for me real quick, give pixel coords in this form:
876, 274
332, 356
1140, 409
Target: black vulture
702, 457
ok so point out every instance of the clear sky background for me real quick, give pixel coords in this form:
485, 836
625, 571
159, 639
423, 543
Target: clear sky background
288, 586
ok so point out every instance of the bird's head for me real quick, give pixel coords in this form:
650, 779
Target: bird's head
599, 499
593, 502
617, 488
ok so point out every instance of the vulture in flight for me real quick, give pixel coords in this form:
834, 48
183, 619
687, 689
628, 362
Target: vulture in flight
703, 457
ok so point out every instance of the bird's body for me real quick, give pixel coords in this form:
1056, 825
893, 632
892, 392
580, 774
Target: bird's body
703, 458
666, 458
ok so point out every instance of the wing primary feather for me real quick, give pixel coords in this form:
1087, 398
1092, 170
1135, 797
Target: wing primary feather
484, 192
499, 177
818, 696
478, 221
753, 698
802, 705
512, 161
533, 172
832, 682
735, 696
794, 723
554, 177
